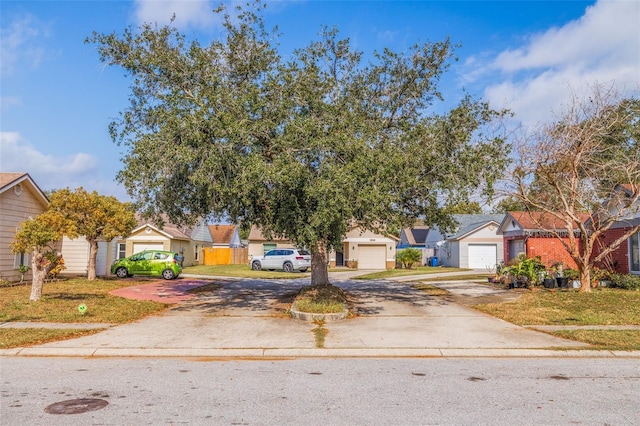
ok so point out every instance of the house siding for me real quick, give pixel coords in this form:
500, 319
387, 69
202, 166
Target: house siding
15, 209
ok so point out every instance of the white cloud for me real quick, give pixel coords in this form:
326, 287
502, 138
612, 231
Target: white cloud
603, 46
49, 171
8, 102
188, 13
20, 44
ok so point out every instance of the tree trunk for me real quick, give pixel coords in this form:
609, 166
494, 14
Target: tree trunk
39, 273
585, 280
93, 254
319, 265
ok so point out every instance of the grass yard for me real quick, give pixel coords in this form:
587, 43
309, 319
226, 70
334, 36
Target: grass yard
418, 270
241, 271
600, 307
60, 302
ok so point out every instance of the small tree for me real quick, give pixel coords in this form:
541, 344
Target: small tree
587, 162
93, 216
408, 257
38, 237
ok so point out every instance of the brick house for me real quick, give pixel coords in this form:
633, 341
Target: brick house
534, 234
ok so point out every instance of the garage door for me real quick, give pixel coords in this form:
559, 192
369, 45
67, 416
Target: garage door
482, 256
138, 247
372, 257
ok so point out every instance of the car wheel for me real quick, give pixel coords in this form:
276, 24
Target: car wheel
168, 274
303, 270
256, 266
287, 267
122, 273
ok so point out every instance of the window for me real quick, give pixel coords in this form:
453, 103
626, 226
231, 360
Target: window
196, 253
267, 247
22, 259
634, 251
122, 250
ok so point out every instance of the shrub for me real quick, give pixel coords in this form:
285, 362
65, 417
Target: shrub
625, 281
408, 257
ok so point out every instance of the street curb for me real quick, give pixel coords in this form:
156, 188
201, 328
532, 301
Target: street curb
275, 353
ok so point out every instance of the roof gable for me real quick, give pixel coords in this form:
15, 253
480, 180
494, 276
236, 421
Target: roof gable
222, 234
470, 223
12, 180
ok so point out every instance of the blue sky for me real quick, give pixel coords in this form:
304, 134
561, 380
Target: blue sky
57, 99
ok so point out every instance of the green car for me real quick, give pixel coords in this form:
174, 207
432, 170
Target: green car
157, 263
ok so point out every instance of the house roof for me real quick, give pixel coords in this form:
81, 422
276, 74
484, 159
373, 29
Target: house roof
535, 221
169, 229
469, 223
10, 180
222, 234
416, 235
256, 235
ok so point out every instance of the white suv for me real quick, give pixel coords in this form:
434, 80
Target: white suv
288, 260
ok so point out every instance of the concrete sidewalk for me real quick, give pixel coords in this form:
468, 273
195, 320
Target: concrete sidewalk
242, 319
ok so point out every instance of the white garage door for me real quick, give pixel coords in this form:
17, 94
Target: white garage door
482, 256
372, 257
138, 247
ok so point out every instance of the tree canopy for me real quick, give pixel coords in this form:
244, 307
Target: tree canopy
303, 147
92, 216
587, 162
38, 236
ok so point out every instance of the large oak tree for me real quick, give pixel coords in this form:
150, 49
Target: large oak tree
303, 147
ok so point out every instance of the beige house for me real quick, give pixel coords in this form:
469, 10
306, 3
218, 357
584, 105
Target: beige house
188, 242
20, 199
360, 249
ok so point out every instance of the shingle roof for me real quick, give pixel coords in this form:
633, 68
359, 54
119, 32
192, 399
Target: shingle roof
540, 220
222, 234
416, 235
471, 222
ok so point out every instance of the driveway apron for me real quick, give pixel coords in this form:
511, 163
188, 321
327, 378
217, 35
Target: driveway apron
390, 318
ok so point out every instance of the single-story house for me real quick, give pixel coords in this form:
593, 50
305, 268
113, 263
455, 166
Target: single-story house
258, 244
225, 236
20, 199
474, 244
360, 249
415, 238
188, 242
533, 234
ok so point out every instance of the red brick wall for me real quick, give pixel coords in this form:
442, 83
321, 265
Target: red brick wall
619, 258
550, 250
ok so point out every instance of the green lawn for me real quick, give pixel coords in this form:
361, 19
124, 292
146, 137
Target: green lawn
416, 270
240, 271
600, 307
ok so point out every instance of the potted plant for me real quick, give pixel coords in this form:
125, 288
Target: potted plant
558, 273
573, 277
548, 281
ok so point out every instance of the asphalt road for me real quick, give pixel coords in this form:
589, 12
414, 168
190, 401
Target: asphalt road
513, 391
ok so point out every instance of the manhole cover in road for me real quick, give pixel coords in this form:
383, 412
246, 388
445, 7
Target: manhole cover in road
76, 406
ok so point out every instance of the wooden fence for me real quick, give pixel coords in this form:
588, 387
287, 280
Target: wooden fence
226, 256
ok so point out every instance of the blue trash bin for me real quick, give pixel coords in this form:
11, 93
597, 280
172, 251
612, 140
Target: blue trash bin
434, 261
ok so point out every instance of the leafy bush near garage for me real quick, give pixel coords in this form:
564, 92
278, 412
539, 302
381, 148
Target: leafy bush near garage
625, 281
408, 257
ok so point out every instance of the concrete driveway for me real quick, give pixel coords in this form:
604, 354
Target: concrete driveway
247, 318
